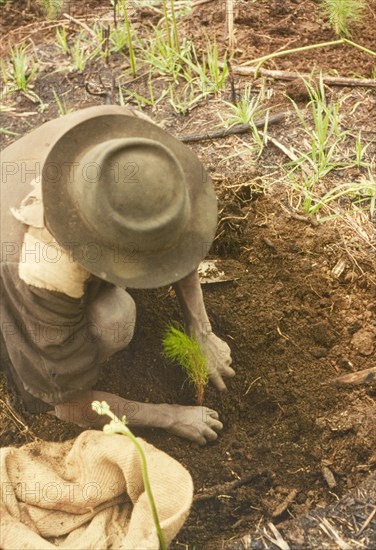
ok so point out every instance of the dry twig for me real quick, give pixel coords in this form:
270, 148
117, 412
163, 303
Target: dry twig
329, 477
230, 24
81, 24
238, 129
331, 532
367, 522
224, 488
312, 220
281, 508
290, 75
365, 376
200, 3
18, 422
277, 539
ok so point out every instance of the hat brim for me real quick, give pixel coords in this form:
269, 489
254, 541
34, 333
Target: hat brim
123, 264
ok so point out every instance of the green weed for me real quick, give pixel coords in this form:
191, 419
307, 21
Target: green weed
23, 68
206, 73
141, 100
118, 39
61, 104
129, 36
362, 194
368, 192
183, 100
62, 39
7, 132
245, 111
324, 153
161, 56
80, 54
174, 26
324, 139
217, 75
19, 73
360, 151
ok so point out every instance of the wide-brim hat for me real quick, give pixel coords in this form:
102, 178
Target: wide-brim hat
133, 205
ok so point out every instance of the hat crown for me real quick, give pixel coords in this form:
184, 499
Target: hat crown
133, 190
133, 204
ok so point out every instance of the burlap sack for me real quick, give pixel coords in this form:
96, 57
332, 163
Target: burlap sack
89, 493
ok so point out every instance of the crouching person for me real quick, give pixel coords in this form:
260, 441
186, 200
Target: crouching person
92, 203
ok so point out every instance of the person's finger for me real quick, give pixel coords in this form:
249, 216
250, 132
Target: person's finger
212, 413
228, 372
216, 425
201, 440
216, 379
210, 435
196, 435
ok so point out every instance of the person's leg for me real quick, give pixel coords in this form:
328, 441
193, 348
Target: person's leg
20, 397
112, 318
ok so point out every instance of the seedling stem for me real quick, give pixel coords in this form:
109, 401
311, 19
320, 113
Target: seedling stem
117, 426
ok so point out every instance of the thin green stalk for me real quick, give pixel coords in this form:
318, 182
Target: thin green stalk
132, 57
355, 45
261, 60
174, 26
7, 132
294, 50
120, 427
167, 22
62, 39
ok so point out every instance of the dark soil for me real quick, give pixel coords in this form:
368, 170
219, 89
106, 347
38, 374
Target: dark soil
292, 322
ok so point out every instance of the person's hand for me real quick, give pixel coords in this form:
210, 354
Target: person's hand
218, 356
199, 424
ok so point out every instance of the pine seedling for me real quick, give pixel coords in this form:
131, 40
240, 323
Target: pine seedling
179, 347
342, 12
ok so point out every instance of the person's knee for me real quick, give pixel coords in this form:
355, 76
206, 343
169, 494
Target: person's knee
113, 316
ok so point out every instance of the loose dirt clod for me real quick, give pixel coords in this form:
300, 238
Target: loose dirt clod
281, 508
329, 477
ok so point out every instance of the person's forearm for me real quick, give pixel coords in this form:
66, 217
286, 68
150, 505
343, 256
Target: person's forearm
79, 411
189, 294
198, 424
